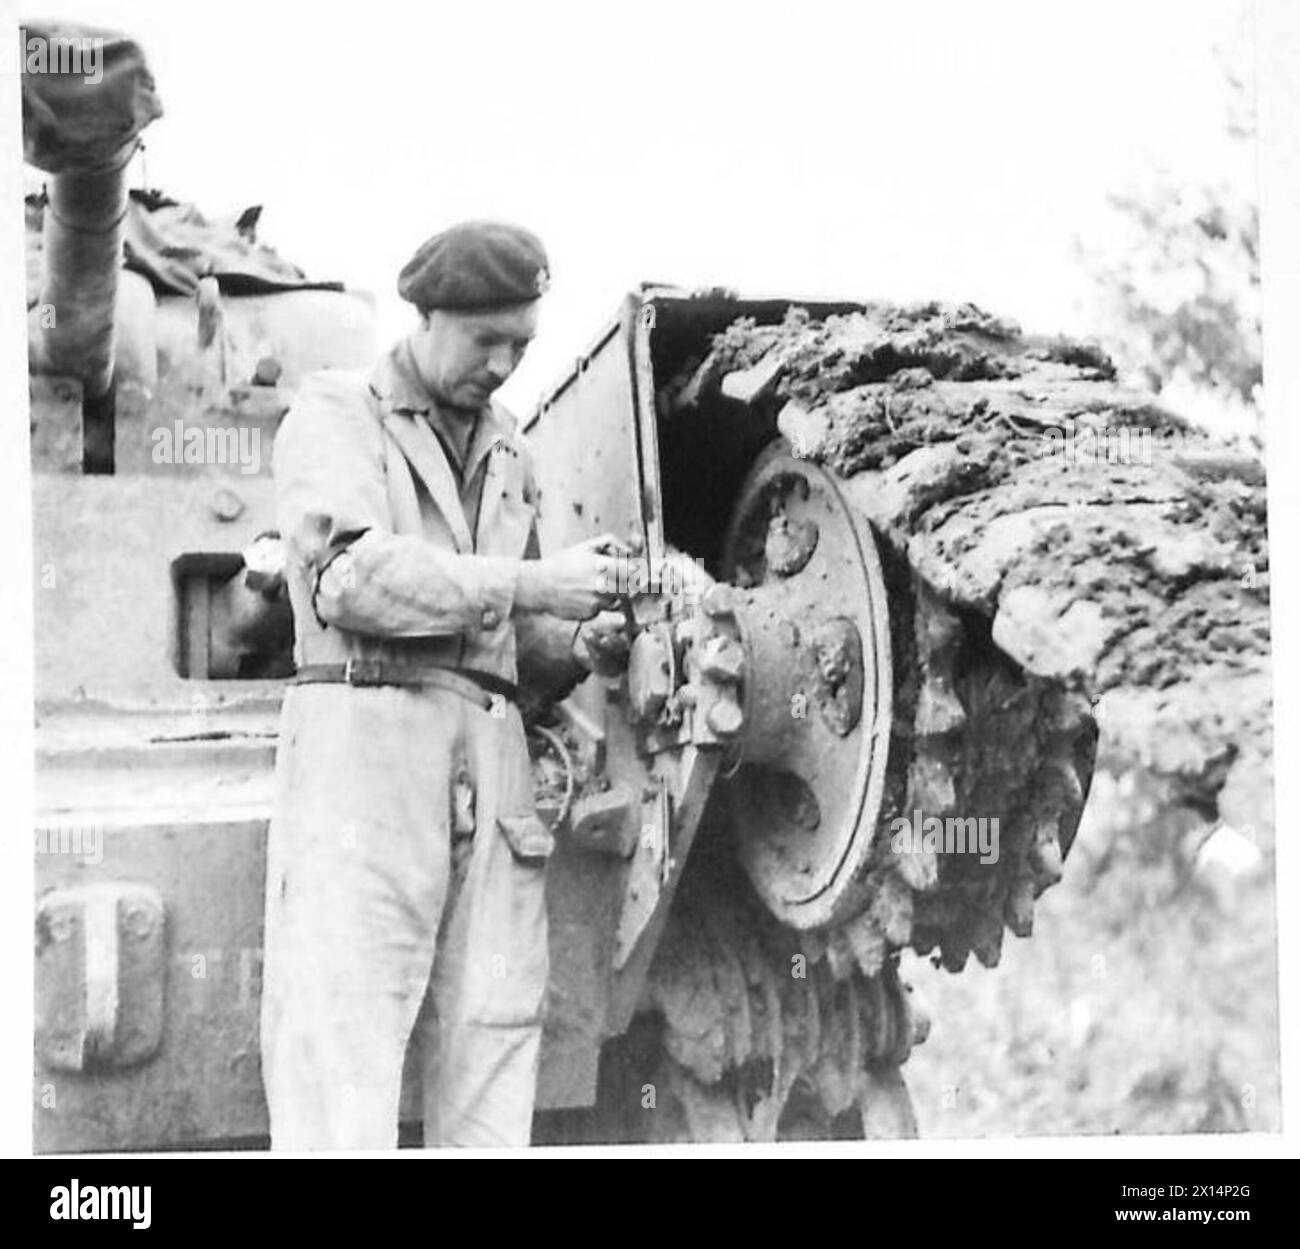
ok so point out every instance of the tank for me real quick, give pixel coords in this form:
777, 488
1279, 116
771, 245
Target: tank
849, 726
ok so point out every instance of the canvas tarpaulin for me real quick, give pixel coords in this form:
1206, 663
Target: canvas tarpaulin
174, 245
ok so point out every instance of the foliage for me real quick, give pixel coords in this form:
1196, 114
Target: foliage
1182, 283
1144, 1002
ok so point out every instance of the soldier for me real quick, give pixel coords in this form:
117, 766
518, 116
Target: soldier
405, 864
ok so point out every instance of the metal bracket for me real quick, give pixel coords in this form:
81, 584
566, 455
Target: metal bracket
648, 870
100, 968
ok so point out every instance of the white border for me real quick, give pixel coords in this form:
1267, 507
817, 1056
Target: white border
1278, 33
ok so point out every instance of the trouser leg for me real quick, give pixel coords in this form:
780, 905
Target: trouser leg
333, 1044
481, 1037
356, 882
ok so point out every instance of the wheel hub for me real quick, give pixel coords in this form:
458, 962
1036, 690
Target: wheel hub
807, 592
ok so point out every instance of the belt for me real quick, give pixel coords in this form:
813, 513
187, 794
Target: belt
483, 689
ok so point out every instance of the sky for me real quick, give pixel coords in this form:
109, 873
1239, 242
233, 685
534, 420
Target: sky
856, 151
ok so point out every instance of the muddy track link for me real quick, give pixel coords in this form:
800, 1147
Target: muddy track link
1057, 549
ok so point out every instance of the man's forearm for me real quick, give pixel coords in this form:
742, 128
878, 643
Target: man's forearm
396, 585
530, 589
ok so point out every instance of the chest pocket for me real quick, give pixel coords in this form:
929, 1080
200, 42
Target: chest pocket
506, 520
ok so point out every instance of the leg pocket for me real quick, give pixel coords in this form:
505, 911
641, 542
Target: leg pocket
530, 841
503, 953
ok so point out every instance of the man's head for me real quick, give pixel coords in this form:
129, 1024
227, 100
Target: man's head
476, 287
462, 357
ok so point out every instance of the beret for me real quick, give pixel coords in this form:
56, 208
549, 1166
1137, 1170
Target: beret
475, 265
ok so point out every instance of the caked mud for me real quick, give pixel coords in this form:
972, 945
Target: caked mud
1062, 555
995, 466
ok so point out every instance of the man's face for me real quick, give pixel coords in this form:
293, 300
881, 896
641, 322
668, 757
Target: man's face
462, 357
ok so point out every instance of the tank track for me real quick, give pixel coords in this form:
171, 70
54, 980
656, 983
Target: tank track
1010, 619
768, 1033
741, 1036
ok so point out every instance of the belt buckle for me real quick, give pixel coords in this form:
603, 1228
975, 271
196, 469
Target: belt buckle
363, 670
496, 706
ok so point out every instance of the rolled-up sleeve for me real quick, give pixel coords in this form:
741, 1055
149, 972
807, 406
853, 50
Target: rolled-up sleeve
332, 509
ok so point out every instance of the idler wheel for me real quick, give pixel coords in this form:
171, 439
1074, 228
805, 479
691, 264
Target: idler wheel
809, 597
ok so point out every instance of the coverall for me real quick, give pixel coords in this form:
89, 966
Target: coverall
406, 862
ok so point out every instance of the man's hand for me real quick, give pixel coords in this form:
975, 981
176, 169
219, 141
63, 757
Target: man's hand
576, 583
602, 645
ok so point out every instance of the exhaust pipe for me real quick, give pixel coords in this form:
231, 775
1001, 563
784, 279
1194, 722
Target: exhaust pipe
87, 95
